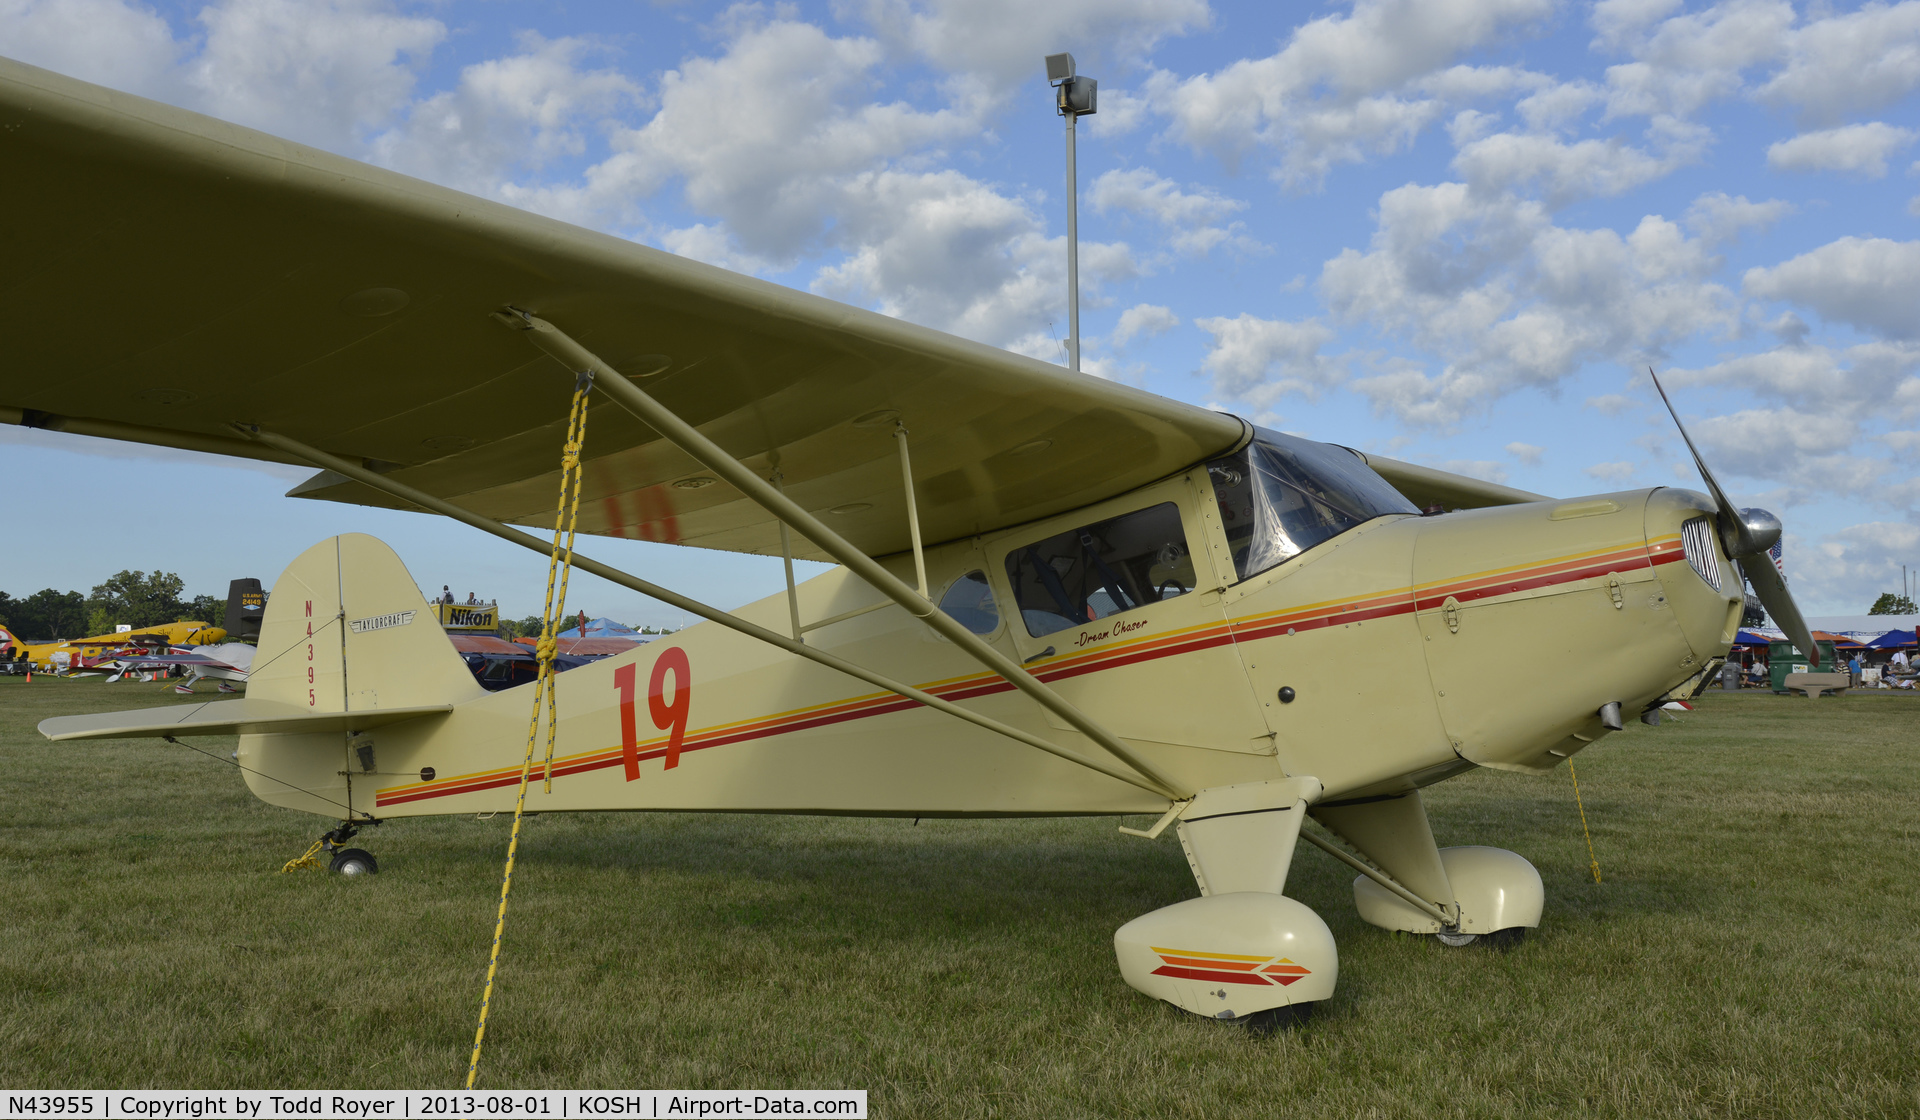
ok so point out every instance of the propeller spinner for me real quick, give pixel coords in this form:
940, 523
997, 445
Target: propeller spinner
1747, 534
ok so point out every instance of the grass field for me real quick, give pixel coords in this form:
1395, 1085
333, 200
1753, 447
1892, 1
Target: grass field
1754, 950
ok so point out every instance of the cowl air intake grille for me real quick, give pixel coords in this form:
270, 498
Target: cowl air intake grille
1696, 536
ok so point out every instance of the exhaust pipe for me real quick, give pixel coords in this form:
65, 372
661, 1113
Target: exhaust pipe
1610, 715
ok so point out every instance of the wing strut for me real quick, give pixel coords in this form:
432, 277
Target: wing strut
427, 501
913, 511
577, 359
786, 554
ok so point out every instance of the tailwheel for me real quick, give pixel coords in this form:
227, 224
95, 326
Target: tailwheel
1456, 940
345, 860
354, 861
1289, 1017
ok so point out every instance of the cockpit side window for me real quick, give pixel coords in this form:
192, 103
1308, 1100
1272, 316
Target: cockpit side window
1100, 569
1282, 495
970, 603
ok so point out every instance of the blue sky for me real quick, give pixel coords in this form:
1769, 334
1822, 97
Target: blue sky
1455, 233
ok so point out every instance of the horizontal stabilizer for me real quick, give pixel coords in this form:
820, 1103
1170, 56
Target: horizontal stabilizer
224, 717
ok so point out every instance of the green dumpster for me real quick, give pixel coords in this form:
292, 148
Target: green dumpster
1782, 657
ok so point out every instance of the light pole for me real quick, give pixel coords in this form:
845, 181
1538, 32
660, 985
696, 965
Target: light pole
1074, 97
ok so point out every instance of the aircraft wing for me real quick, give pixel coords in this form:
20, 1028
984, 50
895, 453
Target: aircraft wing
223, 717
1425, 486
142, 661
181, 274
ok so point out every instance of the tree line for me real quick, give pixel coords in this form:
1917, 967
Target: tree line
127, 599
1889, 603
529, 627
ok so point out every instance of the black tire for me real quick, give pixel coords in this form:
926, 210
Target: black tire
1506, 940
353, 862
1293, 1016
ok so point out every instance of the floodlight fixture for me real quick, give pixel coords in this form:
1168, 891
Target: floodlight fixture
1077, 97
1074, 97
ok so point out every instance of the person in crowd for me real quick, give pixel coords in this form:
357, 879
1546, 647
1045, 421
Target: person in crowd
446, 594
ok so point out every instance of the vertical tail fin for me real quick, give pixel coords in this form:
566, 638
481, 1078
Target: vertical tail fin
246, 602
347, 630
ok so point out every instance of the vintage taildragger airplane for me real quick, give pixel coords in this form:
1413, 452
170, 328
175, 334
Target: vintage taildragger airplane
72, 654
1056, 595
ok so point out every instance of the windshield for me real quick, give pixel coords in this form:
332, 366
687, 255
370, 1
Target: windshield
1282, 495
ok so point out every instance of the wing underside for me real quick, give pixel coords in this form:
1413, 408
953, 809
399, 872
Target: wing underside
181, 274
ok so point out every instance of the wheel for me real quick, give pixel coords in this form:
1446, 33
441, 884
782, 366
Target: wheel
1263, 1023
1507, 940
355, 861
1456, 940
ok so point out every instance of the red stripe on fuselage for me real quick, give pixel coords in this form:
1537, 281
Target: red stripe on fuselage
1368, 610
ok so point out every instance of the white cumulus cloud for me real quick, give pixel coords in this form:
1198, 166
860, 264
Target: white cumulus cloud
511, 116
1528, 454
1002, 42
1866, 282
1508, 299
1191, 216
1718, 216
1260, 360
1345, 85
1852, 62
325, 72
108, 42
1860, 149
1143, 320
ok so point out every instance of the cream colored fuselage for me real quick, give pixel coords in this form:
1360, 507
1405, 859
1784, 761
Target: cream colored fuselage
1413, 648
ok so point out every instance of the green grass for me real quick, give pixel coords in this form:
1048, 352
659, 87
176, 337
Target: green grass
1753, 951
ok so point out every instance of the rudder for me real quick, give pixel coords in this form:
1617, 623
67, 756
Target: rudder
347, 630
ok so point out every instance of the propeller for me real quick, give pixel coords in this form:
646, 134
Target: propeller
1747, 534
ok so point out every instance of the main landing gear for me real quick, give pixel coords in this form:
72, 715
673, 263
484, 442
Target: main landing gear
1505, 940
1245, 954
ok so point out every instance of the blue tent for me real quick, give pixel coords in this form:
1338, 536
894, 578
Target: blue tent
1749, 638
1892, 638
603, 628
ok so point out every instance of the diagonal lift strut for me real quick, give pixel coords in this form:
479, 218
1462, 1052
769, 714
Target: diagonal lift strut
423, 500
577, 359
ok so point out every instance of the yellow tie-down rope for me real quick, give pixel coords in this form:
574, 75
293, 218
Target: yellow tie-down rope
311, 859
559, 567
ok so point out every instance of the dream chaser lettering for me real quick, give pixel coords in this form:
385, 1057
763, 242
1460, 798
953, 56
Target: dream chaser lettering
1120, 626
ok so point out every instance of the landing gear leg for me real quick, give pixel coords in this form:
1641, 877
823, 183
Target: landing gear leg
1241, 953
1494, 896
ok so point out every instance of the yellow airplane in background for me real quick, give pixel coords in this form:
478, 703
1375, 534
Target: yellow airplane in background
1055, 594
76, 653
